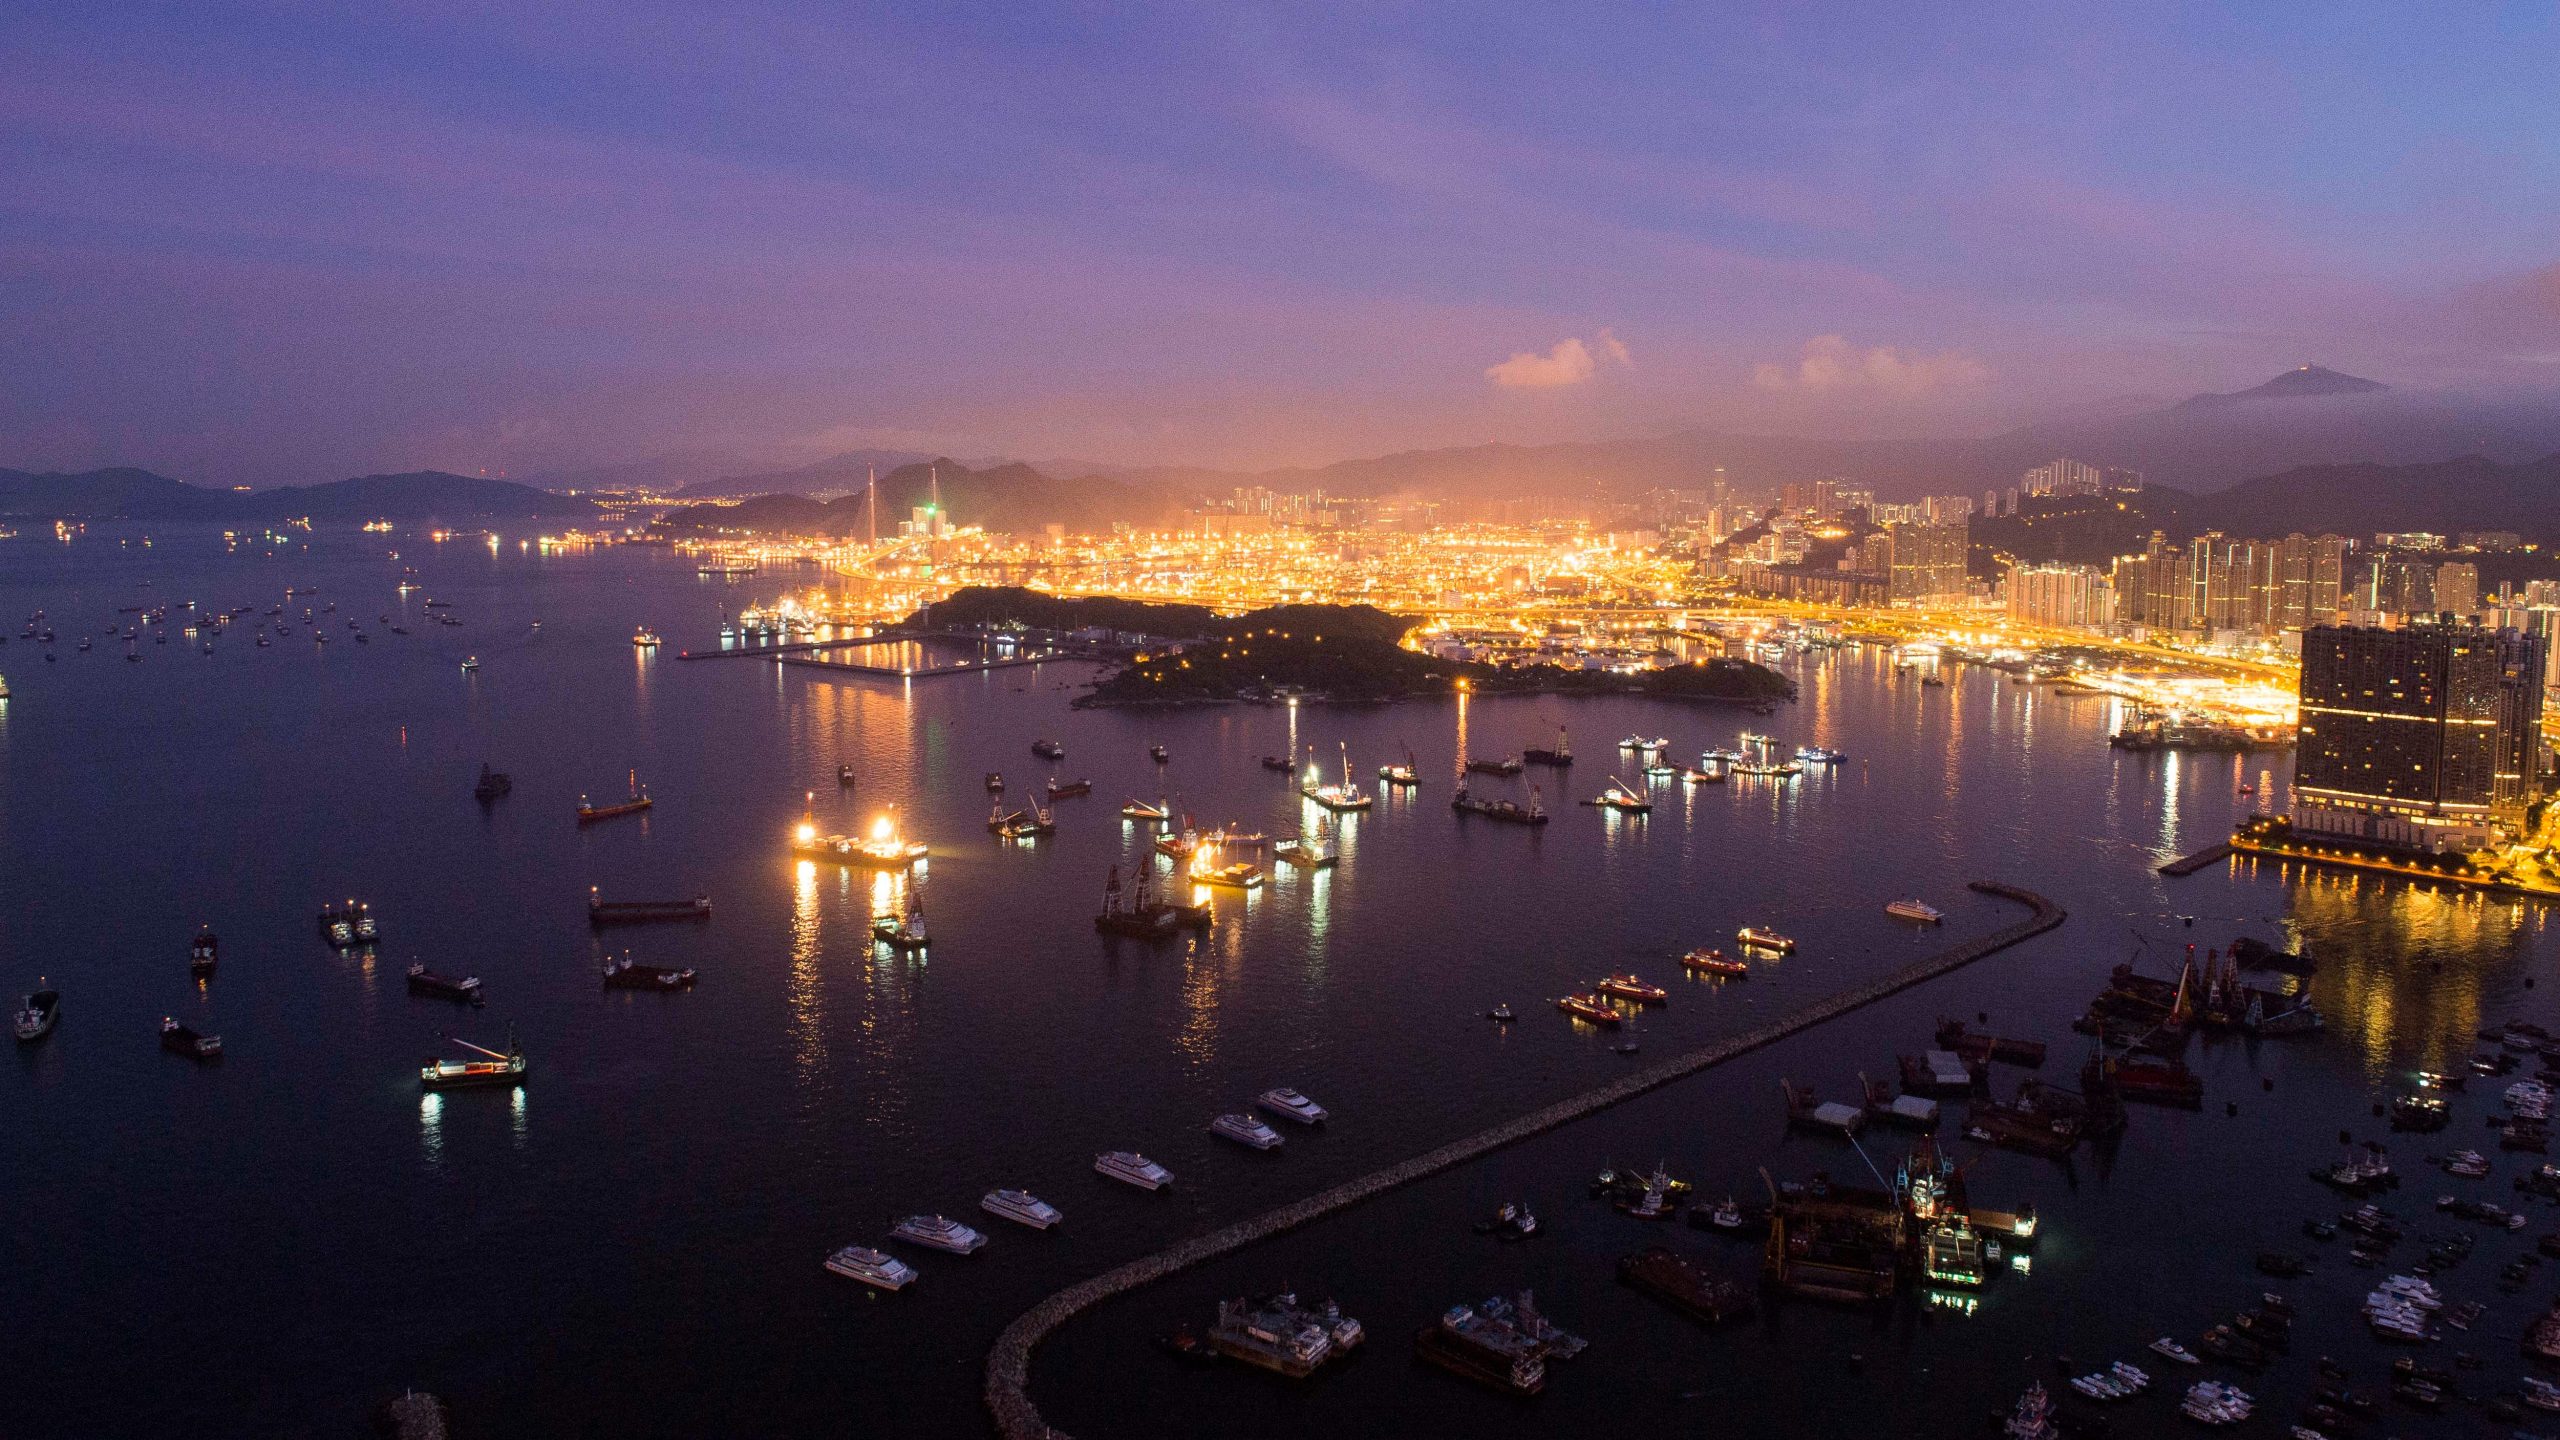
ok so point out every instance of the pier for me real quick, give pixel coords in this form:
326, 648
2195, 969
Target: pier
2210, 856
776, 652
1008, 1376
919, 672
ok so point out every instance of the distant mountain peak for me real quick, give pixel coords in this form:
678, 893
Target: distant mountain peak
2302, 381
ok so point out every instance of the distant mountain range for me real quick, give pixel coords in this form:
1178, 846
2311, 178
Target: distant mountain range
1012, 497
141, 495
823, 479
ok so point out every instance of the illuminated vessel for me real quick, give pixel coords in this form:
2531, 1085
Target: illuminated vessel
184, 1040
902, 932
1059, 790
1511, 812
626, 974
1920, 911
203, 955
1021, 1207
589, 813
1131, 1168
1246, 1131
1291, 1105
1628, 987
884, 849
1139, 810
348, 925
1346, 796
645, 638
939, 1232
1715, 962
1622, 798
1591, 1008
872, 1267
496, 1070
1756, 938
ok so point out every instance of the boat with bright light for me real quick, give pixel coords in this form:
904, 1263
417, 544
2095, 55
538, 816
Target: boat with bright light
1715, 962
902, 933
1345, 796
872, 1267
1131, 1168
883, 849
1819, 755
1290, 1105
496, 1070
1623, 798
1145, 813
1021, 1207
349, 925
645, 638
939, 1232
1246, 1131
638, 800
1591, 1008
1628, 987
1753, 937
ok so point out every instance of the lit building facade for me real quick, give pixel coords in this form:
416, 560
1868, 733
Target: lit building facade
2420, 737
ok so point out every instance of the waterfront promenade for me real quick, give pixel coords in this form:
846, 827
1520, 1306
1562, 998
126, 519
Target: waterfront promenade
1008, 1397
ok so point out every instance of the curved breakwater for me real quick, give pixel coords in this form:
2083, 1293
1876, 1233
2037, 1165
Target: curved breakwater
1008, 1375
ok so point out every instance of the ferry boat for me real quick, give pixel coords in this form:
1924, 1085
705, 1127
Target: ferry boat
204, 954
1559, 757
1509, 811
874, 1268
1061, 790
1591, 1008
1628, 987
492, 784
423, 981
1623, 798
1924, 913
645, 638
1484, 1350
902, 932
1716, 962
937, 1232
1245, 1131
1272, 1334
1755, 938
37, 1012
627, 974
1048, 749
589, 813
1347, 796
1290, 1105
184, 1040
347, 926
1131, 1168
1507, 765
1021, 1207
1145, 813
602, 912
496, 1070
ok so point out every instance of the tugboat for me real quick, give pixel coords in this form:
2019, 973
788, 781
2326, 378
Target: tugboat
493, 784
1560, 757
1716, 962
1021, 1207
183, 1040
1246, 1131
1511, 1222
423, 981
936, 1232
626, 974
496, 1070
37, 1012
874, 1268
204, 954
1158, 753
589, 813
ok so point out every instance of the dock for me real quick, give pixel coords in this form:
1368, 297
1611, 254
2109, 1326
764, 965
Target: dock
1008, 1373
919, 672
776, 652
2206, 858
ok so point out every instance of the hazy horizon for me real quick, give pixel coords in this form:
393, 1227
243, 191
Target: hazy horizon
281, 245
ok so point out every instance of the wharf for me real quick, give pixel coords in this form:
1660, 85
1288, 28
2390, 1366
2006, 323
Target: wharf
918, 672
775, 652
2206, 858
2505, 888
1008, 1375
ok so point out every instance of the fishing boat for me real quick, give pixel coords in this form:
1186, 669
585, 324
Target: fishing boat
1915, 910
1716, 962
185, 1040
1021, 1207
602, 912
1622, 797
1131, 1168
1628, 987
628, 974
874, 1268
1559, 757
1508, 811
492, 784
1346, 796
1246, 1131
1159, 754
638, 800
496, 1070
938, 1232
1592, 1008
1290, 1105
1755, 938
1060, 790
204, 954
36, 1012
346, 926
423, 981
1048, 749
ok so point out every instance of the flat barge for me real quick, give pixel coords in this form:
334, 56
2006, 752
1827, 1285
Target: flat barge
496, 1071
1509, 812
423, 981
186, 1040
1667, 1276
602, 912
627, 974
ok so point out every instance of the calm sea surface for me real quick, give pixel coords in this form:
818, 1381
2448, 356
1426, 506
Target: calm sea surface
631, 1245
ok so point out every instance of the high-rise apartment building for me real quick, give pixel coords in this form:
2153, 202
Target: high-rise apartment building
2063, 477
2061, 595
2418, 737
1929, 560
2458, 588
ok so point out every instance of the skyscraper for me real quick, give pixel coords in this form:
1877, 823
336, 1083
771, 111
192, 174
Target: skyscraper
1929, 560
2418, 737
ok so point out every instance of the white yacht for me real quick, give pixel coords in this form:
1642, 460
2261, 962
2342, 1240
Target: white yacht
872, 1267
1291, 1105
1921, 911
938, 1232
1131, 1168
1245, 1130
1021, 1207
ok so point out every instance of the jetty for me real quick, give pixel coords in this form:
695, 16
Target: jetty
1008, 1373
2209, 856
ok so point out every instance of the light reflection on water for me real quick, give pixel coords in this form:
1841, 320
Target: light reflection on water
804, 996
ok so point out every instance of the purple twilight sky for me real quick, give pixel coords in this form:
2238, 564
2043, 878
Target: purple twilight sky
287, 242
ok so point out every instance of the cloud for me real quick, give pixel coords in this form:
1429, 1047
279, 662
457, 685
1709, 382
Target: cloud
1831, 364
1570, 363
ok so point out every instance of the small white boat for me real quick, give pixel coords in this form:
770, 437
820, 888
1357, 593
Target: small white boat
939, 1232
872, 1267
1245, 1131
1131, 1168
1021, 1207
1921, 911
2169, 1349
1289, 1104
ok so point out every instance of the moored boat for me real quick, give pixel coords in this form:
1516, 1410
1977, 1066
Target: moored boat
937, 1232
186, 1040
1131, 1168
1246, 1131
1920, 911
637, 801
1755, 938
495, 1070
204, 955
1629, 987
37, 1012
1021, 1207
1591, 1008
1716, 962
872, 1267
629, 974
1290, 1105
423, 981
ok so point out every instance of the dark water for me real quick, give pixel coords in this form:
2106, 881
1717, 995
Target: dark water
632, 1245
